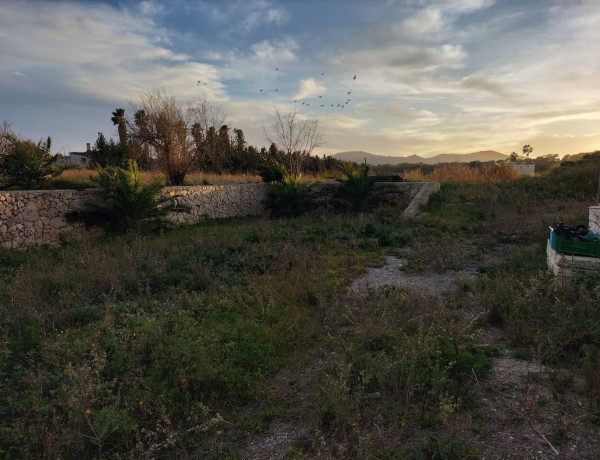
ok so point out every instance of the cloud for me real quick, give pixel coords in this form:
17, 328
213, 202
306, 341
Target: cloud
482, 83
422, 22
275, 51
263, 16
81, 48
341, 122
308, 88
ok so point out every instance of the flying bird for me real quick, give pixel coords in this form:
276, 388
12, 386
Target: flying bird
354, 77
320, 97
349, 92
260, 90
276, 68
322, 74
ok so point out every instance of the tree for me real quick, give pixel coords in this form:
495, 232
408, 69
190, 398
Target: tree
514, 156
119, 119
296, 136
527, 149
171, 131
109, 153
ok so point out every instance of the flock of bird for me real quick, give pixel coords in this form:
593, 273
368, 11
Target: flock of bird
306, 102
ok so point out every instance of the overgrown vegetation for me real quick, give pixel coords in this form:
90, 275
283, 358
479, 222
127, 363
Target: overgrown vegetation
203, 340
130, 202
26, 165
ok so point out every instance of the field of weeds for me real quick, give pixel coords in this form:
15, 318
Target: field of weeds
242, 339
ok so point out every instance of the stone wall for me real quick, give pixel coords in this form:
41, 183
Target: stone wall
39, 216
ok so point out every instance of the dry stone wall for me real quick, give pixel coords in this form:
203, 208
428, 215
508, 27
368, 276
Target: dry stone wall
38, 217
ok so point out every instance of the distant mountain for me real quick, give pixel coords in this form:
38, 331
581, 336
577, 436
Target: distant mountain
372, 159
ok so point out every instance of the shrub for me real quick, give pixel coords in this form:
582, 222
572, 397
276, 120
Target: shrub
271, 170
131, 202
356, 187
288, 198
27, 165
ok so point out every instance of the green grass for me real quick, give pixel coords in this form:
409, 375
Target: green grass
179, 344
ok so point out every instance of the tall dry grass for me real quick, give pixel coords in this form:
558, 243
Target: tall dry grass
193, 178
464, 173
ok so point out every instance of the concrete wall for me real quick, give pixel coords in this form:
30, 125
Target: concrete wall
39, 216
594, 224
524, 169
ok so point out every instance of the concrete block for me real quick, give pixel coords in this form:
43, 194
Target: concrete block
594, 218
566, 264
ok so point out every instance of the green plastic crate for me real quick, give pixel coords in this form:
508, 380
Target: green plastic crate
579, 248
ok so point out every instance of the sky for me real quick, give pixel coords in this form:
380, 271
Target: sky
387, 77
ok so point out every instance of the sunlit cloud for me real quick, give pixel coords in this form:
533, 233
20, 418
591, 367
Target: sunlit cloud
309, 88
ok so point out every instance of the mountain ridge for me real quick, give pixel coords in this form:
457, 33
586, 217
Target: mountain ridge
373, 159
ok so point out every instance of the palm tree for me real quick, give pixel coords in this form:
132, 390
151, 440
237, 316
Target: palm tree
527, 149
118, 118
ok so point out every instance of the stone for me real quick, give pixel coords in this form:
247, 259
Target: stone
31, 206
57, 222
32, 216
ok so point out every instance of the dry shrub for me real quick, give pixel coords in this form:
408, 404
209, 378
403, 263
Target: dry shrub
465, 173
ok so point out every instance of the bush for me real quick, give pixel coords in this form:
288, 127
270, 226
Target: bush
271, 170
131, 202
27, 165
356, 187
289, 198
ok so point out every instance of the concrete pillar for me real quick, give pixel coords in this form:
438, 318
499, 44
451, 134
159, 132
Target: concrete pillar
594, 224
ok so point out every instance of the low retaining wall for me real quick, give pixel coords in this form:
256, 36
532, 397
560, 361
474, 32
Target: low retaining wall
39, 216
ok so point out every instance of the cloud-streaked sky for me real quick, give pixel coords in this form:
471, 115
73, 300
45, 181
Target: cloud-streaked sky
431, 77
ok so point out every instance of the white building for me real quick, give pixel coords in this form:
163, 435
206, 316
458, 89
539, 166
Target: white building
523, 169
76, 158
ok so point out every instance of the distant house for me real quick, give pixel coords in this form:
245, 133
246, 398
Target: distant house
523, 169
76, 158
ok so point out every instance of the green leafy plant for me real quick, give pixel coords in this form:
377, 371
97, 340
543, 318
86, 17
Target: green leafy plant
288, 198
271, 170
130, 202
356, 187
26, 165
